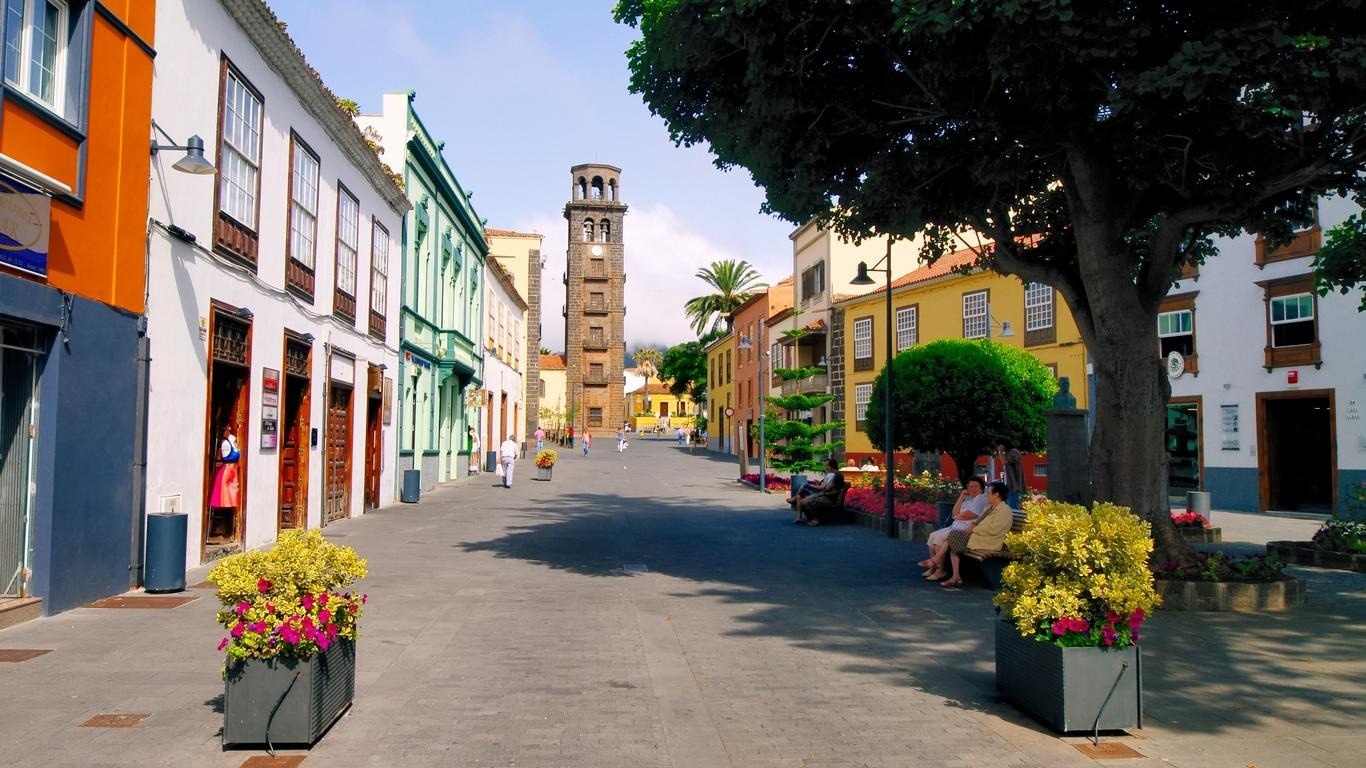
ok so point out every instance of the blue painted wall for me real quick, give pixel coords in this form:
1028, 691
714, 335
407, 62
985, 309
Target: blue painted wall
82, 516
1233, 488
1351, 481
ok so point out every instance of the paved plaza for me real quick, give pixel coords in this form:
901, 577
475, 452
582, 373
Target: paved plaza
644, 610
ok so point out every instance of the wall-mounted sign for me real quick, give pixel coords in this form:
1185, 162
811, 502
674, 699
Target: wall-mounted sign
1229, 422
343, 369
387, 398
1176, 364
25, 221
270, 407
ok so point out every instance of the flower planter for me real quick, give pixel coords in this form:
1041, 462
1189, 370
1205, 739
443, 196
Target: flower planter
1231, 596
543, 473
1067, 687
307, 696
1195, 535
1307, 553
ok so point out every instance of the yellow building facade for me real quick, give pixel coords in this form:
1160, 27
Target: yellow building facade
936, 302
721, 393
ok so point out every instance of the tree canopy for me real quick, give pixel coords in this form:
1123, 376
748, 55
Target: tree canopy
685, 368
733, 283
1096, 146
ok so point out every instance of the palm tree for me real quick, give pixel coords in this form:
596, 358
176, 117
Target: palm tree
734, 281
647, 363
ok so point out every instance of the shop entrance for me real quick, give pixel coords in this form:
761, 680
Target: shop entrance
294, 434
1183, 446
1298, 456
374, 439
19, 365
225, 474
337, 500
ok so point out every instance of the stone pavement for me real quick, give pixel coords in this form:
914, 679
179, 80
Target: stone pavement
646, 610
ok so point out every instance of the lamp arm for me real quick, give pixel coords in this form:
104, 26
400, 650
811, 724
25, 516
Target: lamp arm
173, 145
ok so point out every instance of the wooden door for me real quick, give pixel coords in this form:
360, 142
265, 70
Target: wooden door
294, 433
374, 452
337, 500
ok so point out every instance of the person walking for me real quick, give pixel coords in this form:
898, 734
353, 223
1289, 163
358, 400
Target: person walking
621, 440
540, 439
508, 452
1012, 471
681, 435
587, 440
474, 451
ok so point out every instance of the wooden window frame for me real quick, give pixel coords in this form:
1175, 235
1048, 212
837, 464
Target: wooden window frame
862, 363
232, 238
301, 275
379, 273
986, 314
1046, 334
914, 309
1300, 354
344, 303
1305, 243
1185, 302
861, 420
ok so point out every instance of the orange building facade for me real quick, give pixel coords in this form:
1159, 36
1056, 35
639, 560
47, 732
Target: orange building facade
75, 127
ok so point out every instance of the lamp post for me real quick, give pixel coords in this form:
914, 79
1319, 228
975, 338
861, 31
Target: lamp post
745, 343
1006, 333
889, 479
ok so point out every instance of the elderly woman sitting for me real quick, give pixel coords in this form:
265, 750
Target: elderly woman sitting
970, 506
987, 532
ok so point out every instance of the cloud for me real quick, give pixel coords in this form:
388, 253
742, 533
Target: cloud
663, 254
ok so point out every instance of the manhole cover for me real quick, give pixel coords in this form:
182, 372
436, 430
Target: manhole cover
1106, 750
115, 720
634, 567
141, 601
20, 654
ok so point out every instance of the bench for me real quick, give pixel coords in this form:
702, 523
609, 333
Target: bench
835, 513
993, 561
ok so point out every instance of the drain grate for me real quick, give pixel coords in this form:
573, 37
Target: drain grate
634, 568
17, 655
1106, 750
115, 720
278, 761
142, 601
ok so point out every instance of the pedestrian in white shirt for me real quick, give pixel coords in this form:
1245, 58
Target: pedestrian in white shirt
508, 452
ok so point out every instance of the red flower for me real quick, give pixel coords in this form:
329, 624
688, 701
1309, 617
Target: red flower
263, 586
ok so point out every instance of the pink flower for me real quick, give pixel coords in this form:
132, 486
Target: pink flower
241, 608
323, 598
332, 630
1136, 618
307, 602
1108, 635
323, 641
324, 615
262, 586
270, 607
363, 598
223, 644
237, 629
289, 635
259, 627
1111, 617
1060, 627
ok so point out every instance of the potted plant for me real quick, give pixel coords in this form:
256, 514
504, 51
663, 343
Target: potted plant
1074, 598
291, 642
545, 463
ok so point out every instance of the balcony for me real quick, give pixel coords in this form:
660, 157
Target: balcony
595, 309
596, 275
811, 385
595, 379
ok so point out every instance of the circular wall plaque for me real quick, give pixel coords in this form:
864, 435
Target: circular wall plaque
1176, 364
597, 250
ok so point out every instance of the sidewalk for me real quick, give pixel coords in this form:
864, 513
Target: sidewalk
646, 610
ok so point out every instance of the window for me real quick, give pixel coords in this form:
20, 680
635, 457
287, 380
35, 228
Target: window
1039, 327
596, 373
907, 327
379, 278
863, 394
813, 282
597, 301
975, 315
303, 217
596, 338
348, 246
239, 164
595, 417
728, 367
863, 344
36, 36
597, 268
1292, 333
1176, 329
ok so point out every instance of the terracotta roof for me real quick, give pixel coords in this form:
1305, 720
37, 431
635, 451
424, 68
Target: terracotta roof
554, 363
944, 266
786, 281
818, 325
491, 232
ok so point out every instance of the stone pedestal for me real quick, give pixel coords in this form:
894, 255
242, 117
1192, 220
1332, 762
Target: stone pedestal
1069, 463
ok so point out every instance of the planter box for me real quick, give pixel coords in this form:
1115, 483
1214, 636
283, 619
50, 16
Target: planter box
311, 694
1202, 535
1067, 687
1306, 553
543, 473
1230, 596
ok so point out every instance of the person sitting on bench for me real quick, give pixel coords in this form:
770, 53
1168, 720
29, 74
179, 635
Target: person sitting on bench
987, 532
826, 499
815, 485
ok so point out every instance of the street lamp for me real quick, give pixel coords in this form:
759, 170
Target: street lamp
745, 343
1006, 330
888, 480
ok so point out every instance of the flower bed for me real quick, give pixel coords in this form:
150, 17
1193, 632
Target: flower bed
872, 502
1189, 520
1219, 567
772, 481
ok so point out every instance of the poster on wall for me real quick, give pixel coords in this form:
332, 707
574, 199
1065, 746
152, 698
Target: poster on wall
1229, 422
270, 407
25, 221
387, 397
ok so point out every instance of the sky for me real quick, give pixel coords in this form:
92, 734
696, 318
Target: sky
520, 91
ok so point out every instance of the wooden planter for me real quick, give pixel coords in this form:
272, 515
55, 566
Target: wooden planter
310, 693
1067, 687
544, 473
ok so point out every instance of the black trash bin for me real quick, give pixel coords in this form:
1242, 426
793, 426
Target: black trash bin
490, 461
412, 486
166, 552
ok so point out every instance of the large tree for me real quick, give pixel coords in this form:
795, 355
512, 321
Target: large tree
959, 397
685, 368
1098, 145
732, 283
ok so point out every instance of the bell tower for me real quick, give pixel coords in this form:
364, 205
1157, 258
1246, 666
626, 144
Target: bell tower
595, 293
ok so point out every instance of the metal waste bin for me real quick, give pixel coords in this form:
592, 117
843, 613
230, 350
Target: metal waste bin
945, 511
165, 552
412, 486
1198, 502
490, 461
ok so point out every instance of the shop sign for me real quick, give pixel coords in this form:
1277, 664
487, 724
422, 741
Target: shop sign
25, 221
270, 407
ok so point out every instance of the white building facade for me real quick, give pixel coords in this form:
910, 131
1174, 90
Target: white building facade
1268, 378
505, 360
271, 283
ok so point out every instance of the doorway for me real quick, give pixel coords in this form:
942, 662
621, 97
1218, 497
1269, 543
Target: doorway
225, 476
374, 437
1184, 444
294, 433
1298, 457
337, 501
19, 365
